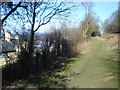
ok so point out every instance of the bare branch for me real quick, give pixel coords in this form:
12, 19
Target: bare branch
11, 12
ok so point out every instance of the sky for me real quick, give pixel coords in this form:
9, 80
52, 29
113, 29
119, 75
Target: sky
103, 10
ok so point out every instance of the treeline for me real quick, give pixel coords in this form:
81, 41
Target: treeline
111, 25
60, 43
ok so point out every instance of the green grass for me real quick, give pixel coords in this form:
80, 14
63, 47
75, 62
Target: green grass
107, 37
46, 79
51, 79
37, 51
90, 70
87, 70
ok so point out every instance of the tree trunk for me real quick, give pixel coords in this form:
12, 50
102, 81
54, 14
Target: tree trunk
31, 42
0, 28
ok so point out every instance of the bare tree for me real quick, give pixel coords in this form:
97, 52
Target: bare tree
12, 7
88, 11
111, 25
38, 14
89, 25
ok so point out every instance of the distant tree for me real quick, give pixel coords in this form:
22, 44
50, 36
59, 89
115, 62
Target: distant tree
106, 26
88, 10
111, 25
89, 25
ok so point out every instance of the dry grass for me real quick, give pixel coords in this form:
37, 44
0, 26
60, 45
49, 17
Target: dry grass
80, 47
112, 39
109, 35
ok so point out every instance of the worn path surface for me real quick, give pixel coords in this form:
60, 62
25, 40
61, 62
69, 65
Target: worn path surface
96, 68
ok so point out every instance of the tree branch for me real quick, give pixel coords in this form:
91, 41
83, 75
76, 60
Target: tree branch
10, 12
